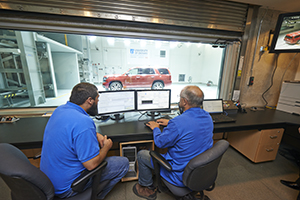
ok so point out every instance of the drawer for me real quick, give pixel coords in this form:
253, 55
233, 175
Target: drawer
271, 136
266, 152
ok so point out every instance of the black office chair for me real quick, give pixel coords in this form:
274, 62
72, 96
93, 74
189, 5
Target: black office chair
28, 182
199, 174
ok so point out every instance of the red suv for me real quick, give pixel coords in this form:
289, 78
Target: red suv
156, 78
292, 38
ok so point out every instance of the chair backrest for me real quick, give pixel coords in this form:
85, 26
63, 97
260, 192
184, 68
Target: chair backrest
201, 172
24, 180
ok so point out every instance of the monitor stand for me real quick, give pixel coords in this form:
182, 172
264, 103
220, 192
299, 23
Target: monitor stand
117, 117
153, 114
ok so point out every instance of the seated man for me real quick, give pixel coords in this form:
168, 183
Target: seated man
185, 136
71, 144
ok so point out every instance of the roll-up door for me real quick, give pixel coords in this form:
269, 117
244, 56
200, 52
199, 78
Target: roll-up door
188, 18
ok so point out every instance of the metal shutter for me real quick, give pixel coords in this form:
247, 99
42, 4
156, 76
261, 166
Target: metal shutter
214, 15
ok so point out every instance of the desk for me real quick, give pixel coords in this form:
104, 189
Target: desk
265, 119
28, 132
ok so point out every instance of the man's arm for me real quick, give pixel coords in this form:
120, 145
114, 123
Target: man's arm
94, 162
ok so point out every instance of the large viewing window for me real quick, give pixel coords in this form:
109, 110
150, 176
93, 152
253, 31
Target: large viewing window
39, 69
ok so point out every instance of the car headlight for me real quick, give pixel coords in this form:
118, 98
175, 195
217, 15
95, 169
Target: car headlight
104, 79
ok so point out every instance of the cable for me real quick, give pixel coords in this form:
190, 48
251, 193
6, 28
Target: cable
142, 114
272, 77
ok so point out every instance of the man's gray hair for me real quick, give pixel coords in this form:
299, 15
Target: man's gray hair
193, 99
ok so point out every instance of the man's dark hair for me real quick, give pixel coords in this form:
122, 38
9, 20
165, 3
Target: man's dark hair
193, 99
82, 91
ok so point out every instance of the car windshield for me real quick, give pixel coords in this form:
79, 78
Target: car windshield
133, 71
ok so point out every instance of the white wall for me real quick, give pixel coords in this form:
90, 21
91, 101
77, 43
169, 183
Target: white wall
113, 56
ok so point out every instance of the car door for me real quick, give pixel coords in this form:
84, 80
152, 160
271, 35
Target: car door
132, 77
149, 77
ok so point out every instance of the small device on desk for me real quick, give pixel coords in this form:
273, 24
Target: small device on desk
215, 108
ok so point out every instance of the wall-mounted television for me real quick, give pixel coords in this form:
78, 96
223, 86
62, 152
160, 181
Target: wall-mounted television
286, 37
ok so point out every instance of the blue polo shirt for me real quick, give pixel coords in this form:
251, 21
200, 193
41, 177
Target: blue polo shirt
70, 138
186, 136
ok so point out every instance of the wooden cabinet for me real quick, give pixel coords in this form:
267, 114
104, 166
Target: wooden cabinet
130, 149
258, 146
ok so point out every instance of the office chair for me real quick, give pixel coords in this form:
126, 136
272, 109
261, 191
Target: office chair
28, 182
199, 174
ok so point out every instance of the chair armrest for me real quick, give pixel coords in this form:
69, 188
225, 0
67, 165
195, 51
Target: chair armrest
160, 160
79, 183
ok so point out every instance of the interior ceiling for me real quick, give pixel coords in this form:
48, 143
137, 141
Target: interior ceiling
280, 5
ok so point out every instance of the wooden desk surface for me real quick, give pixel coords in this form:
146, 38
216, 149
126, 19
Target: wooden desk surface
28, 132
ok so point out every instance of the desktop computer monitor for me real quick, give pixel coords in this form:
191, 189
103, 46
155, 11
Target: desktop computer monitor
153, 100
115, 102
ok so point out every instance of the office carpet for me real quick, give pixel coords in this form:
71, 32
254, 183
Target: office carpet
238, 179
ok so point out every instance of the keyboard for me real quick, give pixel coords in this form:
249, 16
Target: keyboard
221, 118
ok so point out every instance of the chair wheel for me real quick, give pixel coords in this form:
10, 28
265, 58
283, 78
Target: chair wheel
206, 197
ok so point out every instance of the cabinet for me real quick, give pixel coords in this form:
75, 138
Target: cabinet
130, 150
258, 146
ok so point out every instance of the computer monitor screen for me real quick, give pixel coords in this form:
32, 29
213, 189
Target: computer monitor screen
213, 105
153, 100
286, 37
114, 102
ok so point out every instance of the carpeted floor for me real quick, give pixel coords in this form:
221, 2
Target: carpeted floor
238, 179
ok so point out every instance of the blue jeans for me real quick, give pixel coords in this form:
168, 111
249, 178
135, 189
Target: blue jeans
116, 168
145, 168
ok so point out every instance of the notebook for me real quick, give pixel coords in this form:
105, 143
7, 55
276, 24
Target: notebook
215, 108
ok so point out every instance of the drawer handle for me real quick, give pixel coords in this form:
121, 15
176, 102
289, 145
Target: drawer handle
269, 150
273, 136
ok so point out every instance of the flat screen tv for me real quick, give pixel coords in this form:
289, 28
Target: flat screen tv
286, 37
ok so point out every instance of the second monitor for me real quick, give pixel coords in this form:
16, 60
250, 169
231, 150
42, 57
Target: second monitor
153, 100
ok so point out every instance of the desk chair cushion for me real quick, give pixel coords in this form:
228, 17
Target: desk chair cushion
21, 175
201, 172
177, 191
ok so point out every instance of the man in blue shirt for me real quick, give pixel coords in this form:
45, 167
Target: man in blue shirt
71, 144
185, 136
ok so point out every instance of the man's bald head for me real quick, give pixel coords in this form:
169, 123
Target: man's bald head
193, 94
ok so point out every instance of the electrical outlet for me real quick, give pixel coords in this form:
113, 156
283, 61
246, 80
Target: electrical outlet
251, 80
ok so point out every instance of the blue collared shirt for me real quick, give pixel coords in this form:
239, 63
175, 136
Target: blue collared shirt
70, 139
186, 136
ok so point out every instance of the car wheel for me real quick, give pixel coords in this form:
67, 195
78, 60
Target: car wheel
157, 85
115, 86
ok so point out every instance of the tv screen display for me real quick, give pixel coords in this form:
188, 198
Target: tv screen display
154, 100
286, 37
115, 102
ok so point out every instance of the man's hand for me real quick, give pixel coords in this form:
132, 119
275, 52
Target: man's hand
100, 139
107, 142
163, 122
152, 124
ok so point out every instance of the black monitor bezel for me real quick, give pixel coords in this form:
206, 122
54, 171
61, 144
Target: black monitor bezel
117, 112
276, 34
154, 110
